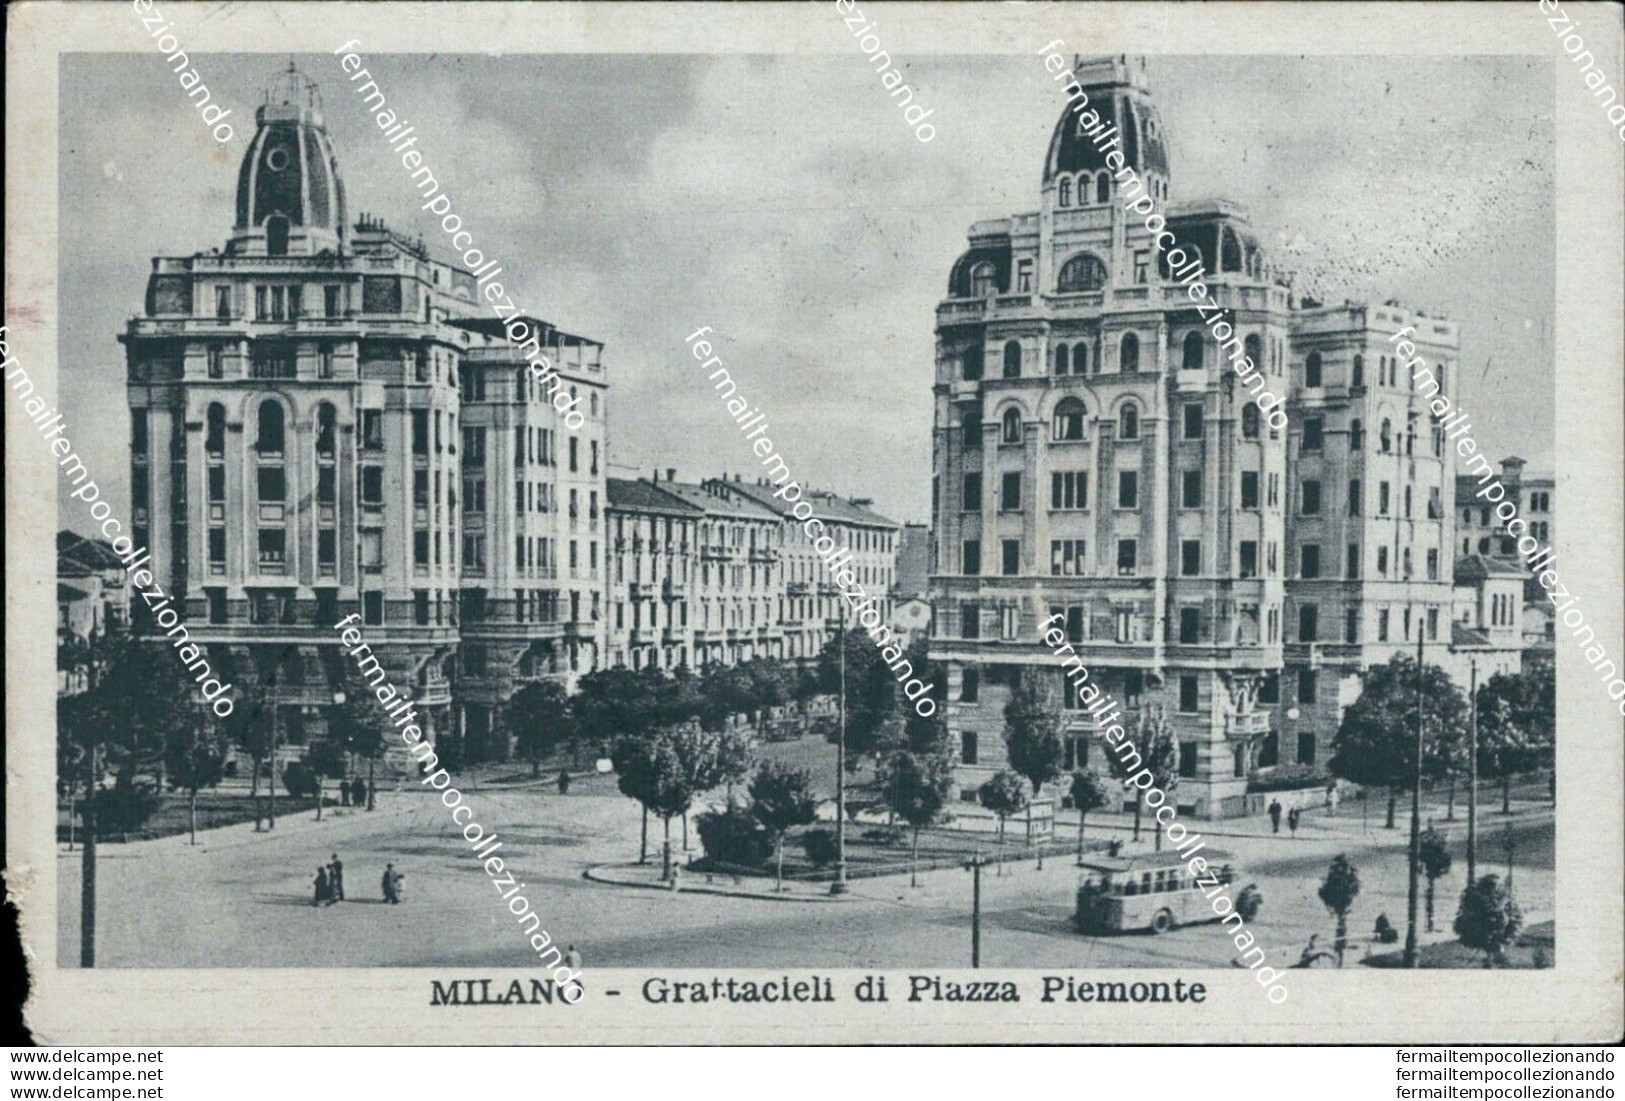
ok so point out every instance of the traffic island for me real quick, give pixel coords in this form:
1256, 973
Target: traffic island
648, 877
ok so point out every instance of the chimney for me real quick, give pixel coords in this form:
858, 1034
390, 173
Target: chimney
656, 474
671, 474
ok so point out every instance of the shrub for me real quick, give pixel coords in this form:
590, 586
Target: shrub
886, 835
819, 845
125, 808
1289, 778
734, 836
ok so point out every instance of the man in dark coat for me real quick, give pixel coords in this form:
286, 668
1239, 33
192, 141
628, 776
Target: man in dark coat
389, 884
1275, 816
335, 875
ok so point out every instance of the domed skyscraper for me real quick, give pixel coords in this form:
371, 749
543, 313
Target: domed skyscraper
1101, 469
326, 420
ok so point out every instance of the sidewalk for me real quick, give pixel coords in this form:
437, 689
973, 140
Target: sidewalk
647, 876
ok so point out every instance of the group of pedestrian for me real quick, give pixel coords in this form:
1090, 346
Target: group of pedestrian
1293, 817
330, 883
357, 792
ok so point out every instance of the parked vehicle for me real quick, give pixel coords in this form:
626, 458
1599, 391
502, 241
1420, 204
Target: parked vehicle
1154, 891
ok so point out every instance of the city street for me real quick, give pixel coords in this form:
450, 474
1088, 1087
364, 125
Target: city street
240, 899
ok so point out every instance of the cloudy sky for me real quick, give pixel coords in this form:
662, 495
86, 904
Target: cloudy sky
782, 201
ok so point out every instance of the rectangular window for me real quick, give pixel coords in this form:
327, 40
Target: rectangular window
1308, 623
420, 548
217, 361
1069, 490
1351, 624
222, 302
970, 684
324, 362
1249, 558
1142, 266
1190, 557
420, 607
1307, 685
1312, 428
1306, 748
1128, 489
217, 605
575, 454
272, 484
1010, 492
1189, 695
1433, 622
420, 488
217, 547
1010, 555
372, 485
420, 431
1249, 489
1127, 552
1433, 564
1271, 560
1351, 567
1190, 620
1024, 276
372, 608
1382, 561
217, 484
1309, 561
971, 498
1382, 499
332, 300
273, 546
1354, 496
1068, 557
971, 561
372, 429
1193, 420
970, 620
967, 747
327, 548
1309, 504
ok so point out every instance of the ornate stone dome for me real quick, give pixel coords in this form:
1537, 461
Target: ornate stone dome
1118, 93
289, 184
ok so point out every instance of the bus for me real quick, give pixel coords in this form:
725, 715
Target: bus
1154, 891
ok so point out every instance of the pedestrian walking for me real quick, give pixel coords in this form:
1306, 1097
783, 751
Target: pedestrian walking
1332, 799
564, 782
344, 793
1275, 816
1292, 821
322, 887
335, 871
371, 792
572, 959
389, 884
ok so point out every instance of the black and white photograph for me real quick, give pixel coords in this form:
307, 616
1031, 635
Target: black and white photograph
833, 528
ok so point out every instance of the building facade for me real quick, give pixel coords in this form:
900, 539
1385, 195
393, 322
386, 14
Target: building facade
1100, 467
1480, 531
654, 556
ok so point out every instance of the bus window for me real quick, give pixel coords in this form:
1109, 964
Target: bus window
1160, 884
1145, 883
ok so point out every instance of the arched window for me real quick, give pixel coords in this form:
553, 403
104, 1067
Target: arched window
1010, 426
326, 423
1062, 359
1311, 370
981, 280
1103, 188
1080, 359
276, 235
1253, 347
1129, 422
1356, 434
1385, 438
1231, 251
270, 438
1193, 353
1357, 372
1129, 358
1012, 360
1063, 194
1249, 421
1068, 420
971, 364
1081, 273
215, 438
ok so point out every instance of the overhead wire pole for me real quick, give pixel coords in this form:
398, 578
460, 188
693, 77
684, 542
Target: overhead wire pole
1472, 772
838, 885
1416, 813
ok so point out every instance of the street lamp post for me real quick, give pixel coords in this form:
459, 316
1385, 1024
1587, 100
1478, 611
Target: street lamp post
271, 805
1416, 813
838, 885
1472, 772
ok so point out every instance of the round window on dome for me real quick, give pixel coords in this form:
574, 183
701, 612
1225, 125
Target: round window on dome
277, 159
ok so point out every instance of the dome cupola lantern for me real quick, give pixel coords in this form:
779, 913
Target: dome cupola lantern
290, 197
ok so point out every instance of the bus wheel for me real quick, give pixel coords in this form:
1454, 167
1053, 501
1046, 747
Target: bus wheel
1163, 922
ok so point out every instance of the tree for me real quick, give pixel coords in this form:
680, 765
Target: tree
539, 718
871, 695
248, 727
1089, 792
1032, 732
1435, 857
1488, 920
194, 759
666, 771
1004, 795
1376, 743
361, 725
1153, 748
1516, 718
782, 799
917, 788
1339, 890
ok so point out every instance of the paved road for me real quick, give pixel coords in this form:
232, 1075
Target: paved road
241, 899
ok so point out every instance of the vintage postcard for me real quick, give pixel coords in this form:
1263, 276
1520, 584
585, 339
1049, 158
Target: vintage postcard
835, 523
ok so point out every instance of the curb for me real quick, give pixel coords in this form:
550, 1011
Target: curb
597, 874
